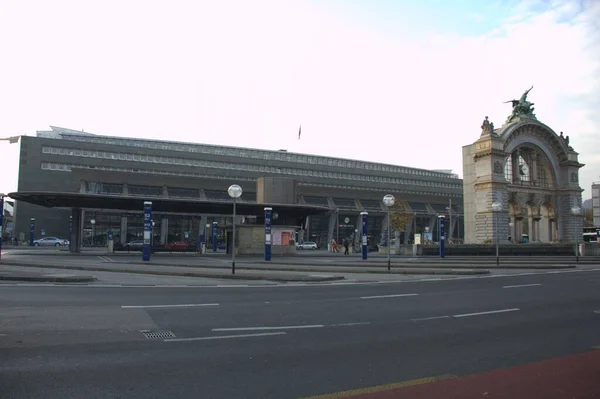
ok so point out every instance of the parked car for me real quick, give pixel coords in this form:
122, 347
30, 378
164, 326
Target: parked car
51, 242
177, 246
136, 245
307, 245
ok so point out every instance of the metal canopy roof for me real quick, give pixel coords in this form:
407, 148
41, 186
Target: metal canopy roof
171, 205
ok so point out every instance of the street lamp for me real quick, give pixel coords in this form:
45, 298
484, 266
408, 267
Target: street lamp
152, 236
93, 222
576, 211
234, 192
497, 207
388, 201
206, 229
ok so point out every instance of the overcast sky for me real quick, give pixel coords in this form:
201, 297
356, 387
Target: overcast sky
401, 82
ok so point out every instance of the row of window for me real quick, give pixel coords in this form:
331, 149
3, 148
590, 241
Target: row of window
246, 167
60, 167
257, 154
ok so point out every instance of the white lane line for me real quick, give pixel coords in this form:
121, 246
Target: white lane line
431, 318
597, 311
387, 296
233, 285
488, 312
223, 337
363, 323
185, 305
521, 285
268, 328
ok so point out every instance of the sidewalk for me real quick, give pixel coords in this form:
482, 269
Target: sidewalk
6, 275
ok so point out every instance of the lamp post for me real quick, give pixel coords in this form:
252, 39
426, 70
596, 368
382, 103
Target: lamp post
497, 207
93, 222
206, 229
388, 201
152, 236
234, 192
576, 211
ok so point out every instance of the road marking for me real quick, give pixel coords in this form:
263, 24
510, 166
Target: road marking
382, 388
488, 312
431, 318
185, 305
268, 328
522, 285
223, 337
363, 323
232, 285
597, 311
387, 296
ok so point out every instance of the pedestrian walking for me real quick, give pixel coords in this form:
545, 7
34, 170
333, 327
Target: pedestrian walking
346, 245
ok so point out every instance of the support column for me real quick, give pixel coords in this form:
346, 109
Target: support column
331, 227
123, 230
164, 231
76, 230
531, 229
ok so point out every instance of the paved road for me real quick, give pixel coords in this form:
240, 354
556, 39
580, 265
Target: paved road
285, 341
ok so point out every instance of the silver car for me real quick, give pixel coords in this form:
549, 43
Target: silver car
50, 242
307, 245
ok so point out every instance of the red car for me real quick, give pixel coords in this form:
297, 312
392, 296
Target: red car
176, 246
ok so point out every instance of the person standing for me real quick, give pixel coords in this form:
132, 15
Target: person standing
346, 245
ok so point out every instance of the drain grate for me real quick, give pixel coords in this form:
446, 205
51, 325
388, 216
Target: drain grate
160, 334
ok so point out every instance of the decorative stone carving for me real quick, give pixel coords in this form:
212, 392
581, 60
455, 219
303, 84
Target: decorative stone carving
574, 178
487, 127
497, 167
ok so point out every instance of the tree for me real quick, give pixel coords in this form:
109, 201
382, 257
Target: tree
588, 218
399, 215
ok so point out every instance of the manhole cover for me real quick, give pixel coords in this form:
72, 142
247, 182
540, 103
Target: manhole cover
161, 334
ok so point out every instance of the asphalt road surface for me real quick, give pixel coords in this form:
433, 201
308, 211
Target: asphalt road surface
294, 341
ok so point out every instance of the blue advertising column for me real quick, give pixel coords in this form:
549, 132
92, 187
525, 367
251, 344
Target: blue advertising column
70, 230
442, 220
147, 230
215, 236
364, 234
31, 231
1, 221
268, 215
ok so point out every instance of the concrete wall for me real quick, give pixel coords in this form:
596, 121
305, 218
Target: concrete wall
275, 190
252, 241
469, 192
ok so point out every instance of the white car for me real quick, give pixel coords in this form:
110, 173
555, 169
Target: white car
51, 242
307, 245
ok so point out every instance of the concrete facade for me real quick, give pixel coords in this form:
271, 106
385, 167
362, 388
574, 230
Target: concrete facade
596, 203
532, 172
65, 160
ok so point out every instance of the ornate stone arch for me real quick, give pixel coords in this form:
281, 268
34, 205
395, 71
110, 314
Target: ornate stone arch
541, 188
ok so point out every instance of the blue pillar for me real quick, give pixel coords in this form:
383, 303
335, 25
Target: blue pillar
215, 235
31, 231
268, 214
442, 220
147, 230
70, 230
364, 234
1, 221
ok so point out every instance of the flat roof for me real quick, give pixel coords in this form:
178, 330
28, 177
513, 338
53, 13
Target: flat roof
171, 205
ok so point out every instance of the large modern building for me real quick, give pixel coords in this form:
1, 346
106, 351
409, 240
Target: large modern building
596, 203
64, 160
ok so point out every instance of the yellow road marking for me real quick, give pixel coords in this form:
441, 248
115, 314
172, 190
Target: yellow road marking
382, 388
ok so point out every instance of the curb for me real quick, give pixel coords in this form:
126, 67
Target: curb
381, 269
314, 279
50, 279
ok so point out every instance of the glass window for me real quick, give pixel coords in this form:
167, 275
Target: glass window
129, 157
54, 150
46, 150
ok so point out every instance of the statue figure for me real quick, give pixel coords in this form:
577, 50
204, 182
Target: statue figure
521, 107
487, 127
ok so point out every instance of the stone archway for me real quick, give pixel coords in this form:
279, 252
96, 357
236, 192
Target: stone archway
529, 169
